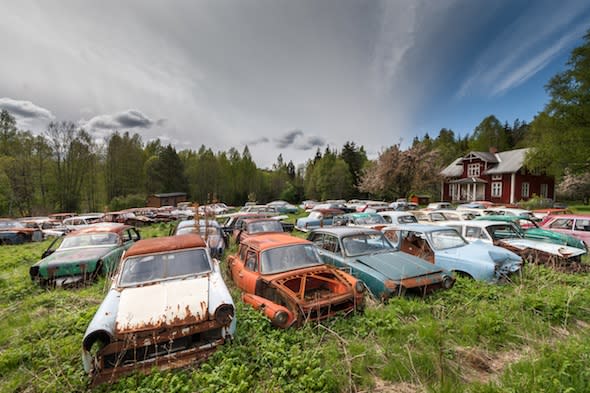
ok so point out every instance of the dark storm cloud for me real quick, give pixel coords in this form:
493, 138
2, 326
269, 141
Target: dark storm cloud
257, 141
311, 142
25, 109
288, 139
127, 119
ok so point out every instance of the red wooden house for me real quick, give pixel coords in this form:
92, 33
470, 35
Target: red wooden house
499, 177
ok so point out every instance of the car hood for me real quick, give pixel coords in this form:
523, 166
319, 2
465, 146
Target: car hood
76, 255
539, 233
550, 248
398, 265
164, 304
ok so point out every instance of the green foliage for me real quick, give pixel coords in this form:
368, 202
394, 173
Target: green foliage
126, 202
427, 344
561, 133
489, 133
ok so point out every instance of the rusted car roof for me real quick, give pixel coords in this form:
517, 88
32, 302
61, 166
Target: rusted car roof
106, 227
162, 244
272, 240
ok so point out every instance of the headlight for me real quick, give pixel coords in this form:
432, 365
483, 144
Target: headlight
280, 318
359, 286
224, 314
34, 272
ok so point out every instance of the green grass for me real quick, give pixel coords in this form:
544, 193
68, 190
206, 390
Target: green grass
528, 336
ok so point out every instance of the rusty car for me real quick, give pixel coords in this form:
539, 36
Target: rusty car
209, 230
258, 226
446, 248
384, 269
14, 232
167, 307
284, 277
81, 256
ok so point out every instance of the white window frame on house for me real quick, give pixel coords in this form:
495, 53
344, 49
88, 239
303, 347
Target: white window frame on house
496, 177
544, 190
473, 170
525, 190
496, 189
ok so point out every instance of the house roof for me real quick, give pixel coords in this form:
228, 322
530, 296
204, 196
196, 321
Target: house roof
455, 169
504, 162
509, 162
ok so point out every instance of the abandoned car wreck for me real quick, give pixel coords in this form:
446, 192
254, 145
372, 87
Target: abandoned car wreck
168, 307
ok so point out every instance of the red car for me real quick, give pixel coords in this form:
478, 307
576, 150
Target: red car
576, 225
284, 277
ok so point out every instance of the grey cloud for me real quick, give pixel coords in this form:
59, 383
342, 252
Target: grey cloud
127, 119
288, 139
257, 141
25, 109
311, 142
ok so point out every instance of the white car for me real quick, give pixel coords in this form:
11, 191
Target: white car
397, 217
505, 234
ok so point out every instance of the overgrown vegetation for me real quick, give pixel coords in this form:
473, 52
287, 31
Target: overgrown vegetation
528, 335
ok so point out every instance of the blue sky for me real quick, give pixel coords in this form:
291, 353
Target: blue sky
283, 77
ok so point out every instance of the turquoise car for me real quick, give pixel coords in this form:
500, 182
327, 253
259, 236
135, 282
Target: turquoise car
370, 257
531, 230
83, 255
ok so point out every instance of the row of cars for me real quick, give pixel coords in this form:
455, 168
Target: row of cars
168, 305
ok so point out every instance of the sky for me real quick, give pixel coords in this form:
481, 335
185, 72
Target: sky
282, 76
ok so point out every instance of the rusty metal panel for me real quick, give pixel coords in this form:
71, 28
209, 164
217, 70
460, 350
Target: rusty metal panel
172, 303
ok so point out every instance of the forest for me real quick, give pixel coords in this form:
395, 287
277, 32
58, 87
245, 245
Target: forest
66, 169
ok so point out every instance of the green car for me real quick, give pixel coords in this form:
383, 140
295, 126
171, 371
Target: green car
369, 256
83, 255
531, 230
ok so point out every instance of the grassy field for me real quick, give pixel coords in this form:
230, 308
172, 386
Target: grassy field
531, 335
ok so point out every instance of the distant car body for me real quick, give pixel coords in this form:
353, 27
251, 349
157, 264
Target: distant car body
168, 307
257, 226
209, 230
283, 207
79, 222
316, 219
531, 230
365, 220
47, 226
398, 217
14, 232
83, 255
446, 248
439, 206
507, 235
576, 225
370, 257
284, 277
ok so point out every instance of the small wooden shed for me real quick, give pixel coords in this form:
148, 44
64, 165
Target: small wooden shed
167, 199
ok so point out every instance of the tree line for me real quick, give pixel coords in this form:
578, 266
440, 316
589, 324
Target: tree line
65, 169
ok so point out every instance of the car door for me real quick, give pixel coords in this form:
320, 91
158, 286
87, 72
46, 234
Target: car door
245, 269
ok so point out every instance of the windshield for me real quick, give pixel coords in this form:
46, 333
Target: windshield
449, 238
156, 267
265, 226
503, 231
369, 220
91, 239
366, 243
287, 258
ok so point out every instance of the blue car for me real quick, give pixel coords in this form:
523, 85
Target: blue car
446, 248
316, 219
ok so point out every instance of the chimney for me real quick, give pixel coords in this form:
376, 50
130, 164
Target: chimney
493, 149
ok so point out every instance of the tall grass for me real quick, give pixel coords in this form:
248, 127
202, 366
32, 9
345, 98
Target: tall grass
527, 336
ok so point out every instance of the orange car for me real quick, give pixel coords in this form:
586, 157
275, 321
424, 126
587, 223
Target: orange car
284, 277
